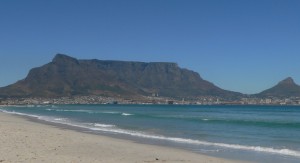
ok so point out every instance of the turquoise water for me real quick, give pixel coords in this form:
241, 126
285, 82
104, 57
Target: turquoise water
257, 133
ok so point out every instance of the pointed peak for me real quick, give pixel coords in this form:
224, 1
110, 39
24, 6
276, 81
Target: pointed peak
288, 80
59, 58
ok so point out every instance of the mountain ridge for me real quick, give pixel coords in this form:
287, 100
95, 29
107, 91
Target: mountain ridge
284, 88
68, 76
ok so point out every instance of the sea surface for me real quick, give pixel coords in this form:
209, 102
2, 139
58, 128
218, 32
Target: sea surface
253, 133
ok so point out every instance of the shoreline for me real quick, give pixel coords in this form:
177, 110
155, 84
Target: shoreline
28, 140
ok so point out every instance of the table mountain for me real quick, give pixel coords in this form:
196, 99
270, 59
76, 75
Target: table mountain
285, 88
67, 76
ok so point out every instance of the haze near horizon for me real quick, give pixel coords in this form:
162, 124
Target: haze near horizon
244, 46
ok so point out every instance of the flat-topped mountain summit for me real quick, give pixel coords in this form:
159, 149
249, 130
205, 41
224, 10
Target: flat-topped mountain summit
285, 88
68, 76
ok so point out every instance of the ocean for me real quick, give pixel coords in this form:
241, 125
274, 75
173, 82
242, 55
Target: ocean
252, 133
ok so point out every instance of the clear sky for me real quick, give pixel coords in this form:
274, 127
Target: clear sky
239, 45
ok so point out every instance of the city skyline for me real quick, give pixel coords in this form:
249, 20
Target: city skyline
243, 46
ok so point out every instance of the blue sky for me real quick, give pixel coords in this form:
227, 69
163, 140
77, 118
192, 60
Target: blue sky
239, 45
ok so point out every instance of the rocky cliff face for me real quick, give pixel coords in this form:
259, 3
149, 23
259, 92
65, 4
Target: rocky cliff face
67, 76
285, 88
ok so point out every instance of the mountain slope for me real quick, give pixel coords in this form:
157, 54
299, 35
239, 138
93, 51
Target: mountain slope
67, 76
285, 88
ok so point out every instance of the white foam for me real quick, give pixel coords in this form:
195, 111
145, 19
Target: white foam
103, 125
110, 112
66, 110
61, 119
17, 113
50, 109
286, 152
126, 114
112, 129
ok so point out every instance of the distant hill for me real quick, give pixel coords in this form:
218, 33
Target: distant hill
67, 76
285, 88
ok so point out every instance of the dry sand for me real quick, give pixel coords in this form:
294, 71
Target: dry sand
22, 140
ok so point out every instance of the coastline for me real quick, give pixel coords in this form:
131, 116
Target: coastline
27, 141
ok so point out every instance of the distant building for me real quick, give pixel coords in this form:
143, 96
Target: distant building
268, 101
154, 94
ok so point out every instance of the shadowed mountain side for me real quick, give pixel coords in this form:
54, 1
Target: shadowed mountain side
285, 88
67, 76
